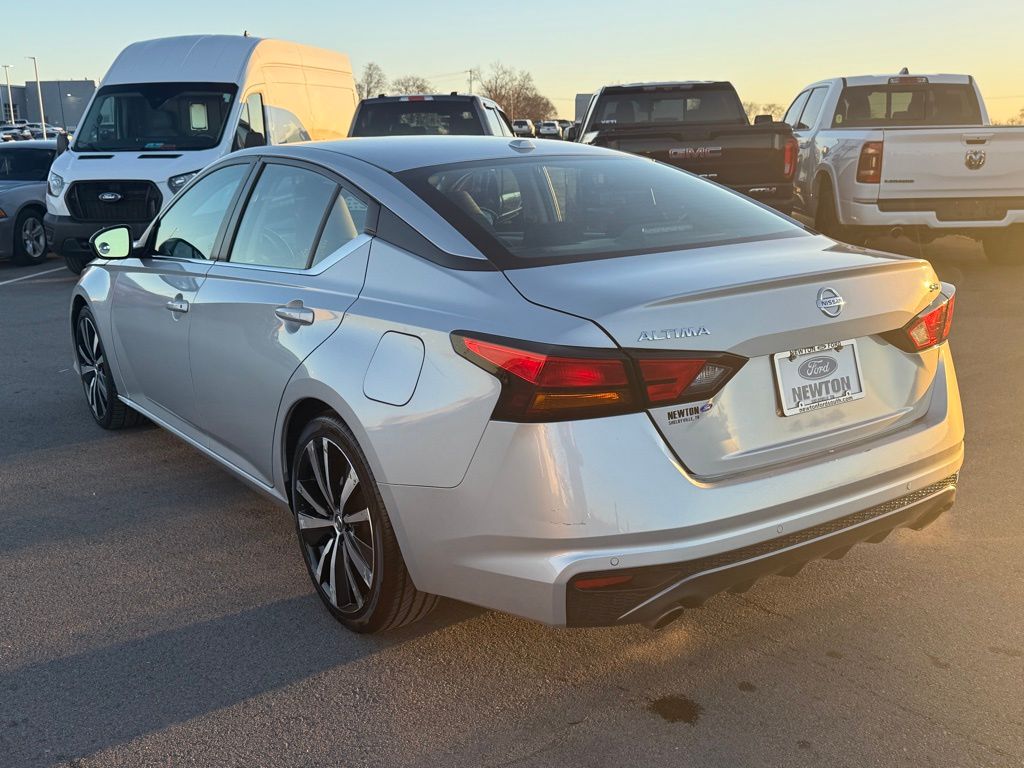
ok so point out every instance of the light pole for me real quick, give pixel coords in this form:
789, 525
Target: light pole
39, 93
10, 101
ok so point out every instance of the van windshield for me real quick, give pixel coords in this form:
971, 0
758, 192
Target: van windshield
156, 116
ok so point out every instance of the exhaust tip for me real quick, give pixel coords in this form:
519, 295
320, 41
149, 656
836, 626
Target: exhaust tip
667, 617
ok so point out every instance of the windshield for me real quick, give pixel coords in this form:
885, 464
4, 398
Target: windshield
864, 106
668, 106
418, 118
25, 164
547, 210
156, 116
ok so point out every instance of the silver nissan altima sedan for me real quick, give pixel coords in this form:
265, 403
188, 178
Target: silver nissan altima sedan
545, 378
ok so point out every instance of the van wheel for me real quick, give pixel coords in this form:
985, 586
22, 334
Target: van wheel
1005, 247
345, 534
30, 238
77, 263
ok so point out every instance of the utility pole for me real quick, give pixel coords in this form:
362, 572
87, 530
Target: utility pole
10, 101
39, 93
471, 81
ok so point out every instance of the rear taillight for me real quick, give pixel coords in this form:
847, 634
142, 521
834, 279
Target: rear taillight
869, 167
541, 383
927, 329
789, 155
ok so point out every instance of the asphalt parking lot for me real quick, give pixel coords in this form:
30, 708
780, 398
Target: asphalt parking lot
154, 612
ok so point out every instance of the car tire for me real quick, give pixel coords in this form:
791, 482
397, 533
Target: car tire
77, 262
1005, 247
345, 535
100, 392
826, 218
30, 238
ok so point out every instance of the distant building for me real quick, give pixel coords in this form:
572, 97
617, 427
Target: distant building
64, 101
18, 97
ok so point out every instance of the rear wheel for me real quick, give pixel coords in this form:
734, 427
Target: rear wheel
30, 238
345, 534
1005, 246
77, 262
100, 392
826, 219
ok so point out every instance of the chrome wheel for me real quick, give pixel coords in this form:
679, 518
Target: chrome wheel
93, 366
33, 238
335, 524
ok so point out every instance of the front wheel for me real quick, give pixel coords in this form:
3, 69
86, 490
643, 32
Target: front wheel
1005, 247
100, 392
345, 534
30, 238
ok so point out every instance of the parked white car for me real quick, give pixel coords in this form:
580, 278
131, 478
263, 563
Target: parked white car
910, 155
523, 128
549, 129
167, 108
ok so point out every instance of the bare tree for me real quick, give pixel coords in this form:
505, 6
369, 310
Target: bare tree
515, 91
411, 84
373, 81
753, 109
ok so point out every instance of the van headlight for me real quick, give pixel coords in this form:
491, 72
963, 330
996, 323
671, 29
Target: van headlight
54, 185
179, 181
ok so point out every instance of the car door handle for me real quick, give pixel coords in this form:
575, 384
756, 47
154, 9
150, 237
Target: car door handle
177, 305
293, 314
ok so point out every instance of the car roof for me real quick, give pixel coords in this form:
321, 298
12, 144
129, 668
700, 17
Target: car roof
31, 144
396, 154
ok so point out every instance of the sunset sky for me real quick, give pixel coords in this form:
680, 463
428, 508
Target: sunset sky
769, 49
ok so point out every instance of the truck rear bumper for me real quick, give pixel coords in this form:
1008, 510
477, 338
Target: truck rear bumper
951, 215
778, 196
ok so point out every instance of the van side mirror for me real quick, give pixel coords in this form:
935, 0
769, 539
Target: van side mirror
112, 243
62, 143
762, 119
570, 133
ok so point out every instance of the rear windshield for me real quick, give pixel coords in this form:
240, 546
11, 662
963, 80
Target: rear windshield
25, 164
438, 117
547, 210
654, 106
864, 106
156, 116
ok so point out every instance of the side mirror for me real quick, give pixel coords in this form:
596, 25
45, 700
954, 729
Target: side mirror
112, 243
62, 143
570, 133
762, 119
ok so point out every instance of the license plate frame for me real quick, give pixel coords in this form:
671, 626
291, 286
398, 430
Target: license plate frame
801, 368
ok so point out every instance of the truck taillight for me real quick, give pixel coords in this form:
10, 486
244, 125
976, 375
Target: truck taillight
789, 155
927, 329
869, 167
541, 383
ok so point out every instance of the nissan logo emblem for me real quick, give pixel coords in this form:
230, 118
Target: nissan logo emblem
830, 302
109, 197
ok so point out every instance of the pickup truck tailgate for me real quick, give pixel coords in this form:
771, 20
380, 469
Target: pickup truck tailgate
981, 162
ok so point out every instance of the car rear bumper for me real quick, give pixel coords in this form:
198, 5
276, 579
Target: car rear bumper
543, 504
68, 236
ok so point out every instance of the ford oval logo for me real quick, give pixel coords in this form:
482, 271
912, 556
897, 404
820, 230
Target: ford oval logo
830, 302
817, 367
109, 197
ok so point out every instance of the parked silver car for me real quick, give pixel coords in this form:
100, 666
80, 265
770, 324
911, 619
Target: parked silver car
23, 169
546, 378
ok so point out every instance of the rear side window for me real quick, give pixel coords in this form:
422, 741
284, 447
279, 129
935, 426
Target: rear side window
346, 220
189, 228
865, 106
283, 217
549, 210
436, 117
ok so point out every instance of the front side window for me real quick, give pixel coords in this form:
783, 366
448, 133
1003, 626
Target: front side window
251, 131
793, 113
865, 106
283, 217
814, 104
549, 210
189, 228
25, 164
437, 117
156, 117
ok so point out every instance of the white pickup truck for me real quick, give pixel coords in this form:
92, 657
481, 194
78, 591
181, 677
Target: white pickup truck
911, 155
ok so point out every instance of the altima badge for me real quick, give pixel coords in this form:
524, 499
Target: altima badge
673, 333
830, 302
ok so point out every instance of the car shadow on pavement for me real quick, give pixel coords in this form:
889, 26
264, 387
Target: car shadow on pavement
75, 706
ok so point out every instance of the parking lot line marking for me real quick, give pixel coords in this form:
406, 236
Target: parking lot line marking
34, 274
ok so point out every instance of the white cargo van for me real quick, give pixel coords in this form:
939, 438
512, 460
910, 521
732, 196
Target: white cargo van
169, 107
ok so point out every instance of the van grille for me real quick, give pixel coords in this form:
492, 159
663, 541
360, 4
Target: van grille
136, 201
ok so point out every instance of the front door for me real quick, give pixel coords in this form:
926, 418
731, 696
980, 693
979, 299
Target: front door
153, 296
296, 265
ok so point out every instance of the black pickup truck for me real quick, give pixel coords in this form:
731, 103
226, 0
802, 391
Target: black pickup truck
700, 127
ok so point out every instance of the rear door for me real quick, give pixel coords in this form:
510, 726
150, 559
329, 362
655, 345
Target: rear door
297, 262
953, 162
